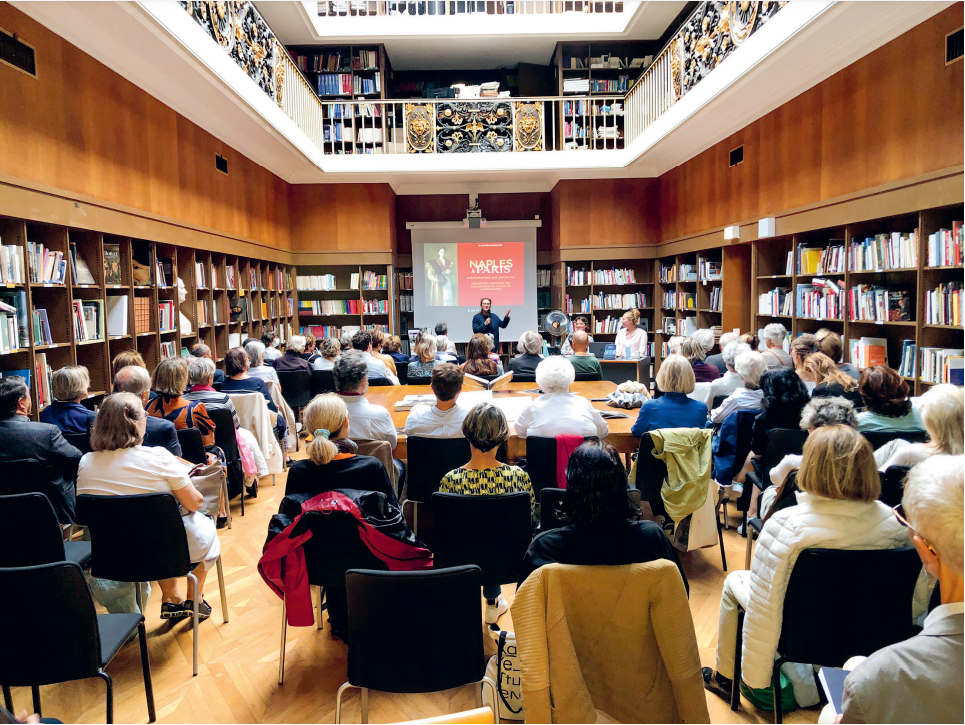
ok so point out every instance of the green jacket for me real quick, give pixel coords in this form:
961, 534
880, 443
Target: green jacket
687, 453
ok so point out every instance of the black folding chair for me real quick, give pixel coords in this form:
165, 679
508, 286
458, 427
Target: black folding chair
31, 476
429, 460
878, 586
780, 442
754, 525
402, 368
192, 445
879, 438
585, 377
142, 538
296, 389
419, 380
80, 441
60, 637
450, 654
380, 382
551, 502
31, 535
893, 484
225, 438
541, 462
323, 381
718, 401
335, 547
524, 377
492, 532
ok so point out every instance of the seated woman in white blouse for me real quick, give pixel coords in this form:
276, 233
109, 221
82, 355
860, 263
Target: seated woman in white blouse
558, 411
631, 340
121, 466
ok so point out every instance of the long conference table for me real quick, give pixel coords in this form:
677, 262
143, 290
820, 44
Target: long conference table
619, 436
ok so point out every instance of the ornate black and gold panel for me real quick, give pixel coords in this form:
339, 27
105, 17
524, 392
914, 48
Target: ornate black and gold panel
419, 128
474, 127
528, 126
242, 33
711, 34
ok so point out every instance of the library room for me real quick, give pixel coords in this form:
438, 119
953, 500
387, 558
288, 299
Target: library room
541, 361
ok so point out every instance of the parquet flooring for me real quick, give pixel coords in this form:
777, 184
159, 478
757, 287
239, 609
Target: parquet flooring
238, 679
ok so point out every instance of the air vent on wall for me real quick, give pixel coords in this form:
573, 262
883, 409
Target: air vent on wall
14, 52
953, 47
737, 156
221, 163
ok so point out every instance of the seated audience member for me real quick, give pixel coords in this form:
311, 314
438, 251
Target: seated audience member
730, 380
602, 527
332, 458
529, 347
673, 344
887, 405
920, 679
631, 340
830, 380
257, 367
774, 336
478, 362
493, 352
329, 350
692, 349
485, 428
749, 338
125, 358
837, 508
673, 409
292, 360
362, 342
783, 398
23, 440
442, 330
581, 360
69, 386
578, 325
706, 339
158, 432
269, 339
366, 421
801, 347
942, 411
310, 354
169, 380
718, 360
200, 375
345, 341
203, 351
378, 340
424, 359
393, 347
558, 411
442, 344
750, 366
830, 344
816, 414
444, 419
121, 466
239, 381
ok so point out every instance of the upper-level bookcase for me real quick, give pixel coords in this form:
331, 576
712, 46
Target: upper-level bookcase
344, 71
116, 293
871, 261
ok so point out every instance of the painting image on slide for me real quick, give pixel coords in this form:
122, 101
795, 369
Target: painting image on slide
494, 270
441, 266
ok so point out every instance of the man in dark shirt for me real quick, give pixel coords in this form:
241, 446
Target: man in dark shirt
487, 322
21, 440
292, 359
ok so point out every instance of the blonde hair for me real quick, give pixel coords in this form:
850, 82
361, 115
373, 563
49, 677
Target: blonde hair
170, 377
325, 412
824, 370
70, 383
124, 359
425, 348
633, 314
839, 463
933, 501
942, 410
115, 426
329, 348
676, 375
378, 337
691, 349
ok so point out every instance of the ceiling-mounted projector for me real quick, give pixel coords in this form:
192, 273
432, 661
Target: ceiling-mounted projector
474, 218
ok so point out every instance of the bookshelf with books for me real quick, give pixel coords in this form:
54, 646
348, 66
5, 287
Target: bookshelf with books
329, 297
404, 305
939, 299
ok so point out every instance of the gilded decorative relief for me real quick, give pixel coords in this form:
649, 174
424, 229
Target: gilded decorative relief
419, 128
474, 127
528, 126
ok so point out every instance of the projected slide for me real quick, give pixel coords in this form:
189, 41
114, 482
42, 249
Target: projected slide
456, 268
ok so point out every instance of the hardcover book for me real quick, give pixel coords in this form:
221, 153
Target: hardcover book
239, 309
112, 264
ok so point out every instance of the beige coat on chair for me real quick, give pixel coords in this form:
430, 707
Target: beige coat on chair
256, 419
598, 642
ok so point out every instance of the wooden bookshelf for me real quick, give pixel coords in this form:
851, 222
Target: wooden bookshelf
360, 306
769, 270
135, 258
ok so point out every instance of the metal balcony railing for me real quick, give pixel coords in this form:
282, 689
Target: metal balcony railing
357, 8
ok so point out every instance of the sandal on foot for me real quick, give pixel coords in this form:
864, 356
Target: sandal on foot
170, 610
204, 609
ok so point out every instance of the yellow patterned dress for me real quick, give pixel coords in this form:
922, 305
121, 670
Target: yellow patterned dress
491, 482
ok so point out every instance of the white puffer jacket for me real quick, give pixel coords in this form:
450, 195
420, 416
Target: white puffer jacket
815, 523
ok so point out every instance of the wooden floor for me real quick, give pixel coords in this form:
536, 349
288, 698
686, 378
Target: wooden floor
238, 679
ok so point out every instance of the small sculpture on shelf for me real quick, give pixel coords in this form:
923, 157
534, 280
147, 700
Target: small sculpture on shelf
184, 324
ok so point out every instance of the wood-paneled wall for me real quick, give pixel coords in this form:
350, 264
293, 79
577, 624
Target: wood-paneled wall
82, 128
892, 115
605, 213
342, 217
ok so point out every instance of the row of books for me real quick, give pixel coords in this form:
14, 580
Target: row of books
612, 325
88, 319
867, 352
406, 303
165, 274
375, 307
577, 277
380, 328
543, 299
943, 365
46, 265
945, 246
687, 273
869, 303
821, 260
544, 278
200, 277
317, 282
342, 84
231, 276
11, 264
576, 85
167, 315
41, 327
708, 270
686, 301
823, 299
582, 306
884, 251
614, 276
9, 329
353, 110
618, 85
405, 280
142, 315
168, 349
601, 301
684, 326
328, 307
321, 62
321, 331
371, 280
716, 299
943, 305
668, 273
776, 302
13, 319
906, 364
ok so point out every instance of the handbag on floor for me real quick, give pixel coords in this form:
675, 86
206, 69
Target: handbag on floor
503, 669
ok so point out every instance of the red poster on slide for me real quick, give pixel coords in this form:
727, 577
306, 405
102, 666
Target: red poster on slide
494, 270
